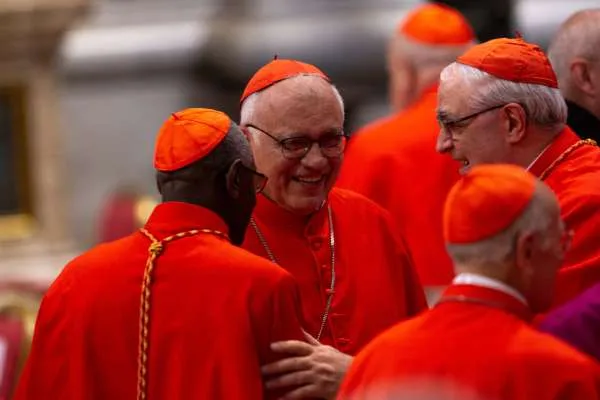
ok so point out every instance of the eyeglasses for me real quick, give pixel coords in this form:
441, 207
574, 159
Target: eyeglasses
259, 180
297, 147
448, 125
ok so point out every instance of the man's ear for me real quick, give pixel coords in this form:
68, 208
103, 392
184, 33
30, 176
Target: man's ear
246, 132
158, 184
233, 179
524, 249
580, 76
516, 119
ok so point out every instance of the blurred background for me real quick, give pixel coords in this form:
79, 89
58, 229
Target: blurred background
84, 86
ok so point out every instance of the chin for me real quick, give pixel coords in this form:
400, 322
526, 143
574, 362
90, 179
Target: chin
306, 206
238, 234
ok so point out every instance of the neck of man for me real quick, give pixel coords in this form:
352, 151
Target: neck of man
421, 78
305, 215
196, 199
533, 146
427, 77
476, 277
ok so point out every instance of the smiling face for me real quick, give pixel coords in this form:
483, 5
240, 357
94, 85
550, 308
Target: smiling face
303, 106
477, 140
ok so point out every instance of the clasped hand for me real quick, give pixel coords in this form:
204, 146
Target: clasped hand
313, 369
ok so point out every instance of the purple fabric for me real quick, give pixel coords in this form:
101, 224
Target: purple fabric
578, 322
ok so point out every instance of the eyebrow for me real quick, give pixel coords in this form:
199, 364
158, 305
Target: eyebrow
442, 115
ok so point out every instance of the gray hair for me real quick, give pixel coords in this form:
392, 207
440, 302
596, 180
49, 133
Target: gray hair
420, 54
496, 251
578, 36
544, 105
248, 106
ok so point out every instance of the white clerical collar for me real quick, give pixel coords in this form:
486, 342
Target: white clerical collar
466, 278
538, 157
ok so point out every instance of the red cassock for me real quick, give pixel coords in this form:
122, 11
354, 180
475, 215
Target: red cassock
375, 285
476, 344
394, 163
215, 308
571, 168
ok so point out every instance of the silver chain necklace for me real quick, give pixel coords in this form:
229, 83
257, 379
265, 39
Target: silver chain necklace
267, 248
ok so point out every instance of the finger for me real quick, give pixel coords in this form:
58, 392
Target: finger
294, 347
287, 365
311, 339
304, 392
294, 379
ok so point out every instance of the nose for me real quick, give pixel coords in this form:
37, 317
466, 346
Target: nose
314, 158
444, 142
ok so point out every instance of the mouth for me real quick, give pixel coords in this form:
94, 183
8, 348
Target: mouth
310, 180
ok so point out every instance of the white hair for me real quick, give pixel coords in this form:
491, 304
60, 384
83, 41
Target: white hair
496, 251
422, 54
248, 106
578, 36
544, 105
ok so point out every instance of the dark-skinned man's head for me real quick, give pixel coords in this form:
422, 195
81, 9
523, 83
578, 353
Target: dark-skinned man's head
203, 158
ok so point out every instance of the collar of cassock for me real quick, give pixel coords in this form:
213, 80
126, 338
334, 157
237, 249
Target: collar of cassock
487, 297
173, 217
272, 214
563, 141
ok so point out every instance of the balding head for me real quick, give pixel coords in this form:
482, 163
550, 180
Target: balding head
575, 56
287, 95
501, 222
526, 255
222, 181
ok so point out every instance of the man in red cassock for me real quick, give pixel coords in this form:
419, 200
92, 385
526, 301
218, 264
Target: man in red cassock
503, 230
353, 270
393, 160
500, 103
175, 310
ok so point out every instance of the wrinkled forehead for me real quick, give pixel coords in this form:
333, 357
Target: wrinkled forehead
303, 104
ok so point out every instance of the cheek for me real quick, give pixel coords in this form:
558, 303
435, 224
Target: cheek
550, 263
280, 171
334, 166
269, 162
482, 147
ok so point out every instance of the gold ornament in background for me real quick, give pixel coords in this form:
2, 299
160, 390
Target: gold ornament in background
21, 305
143, 208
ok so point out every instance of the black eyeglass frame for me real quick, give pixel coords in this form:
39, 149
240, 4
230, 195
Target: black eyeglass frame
342, 138
259, 179
449, 124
